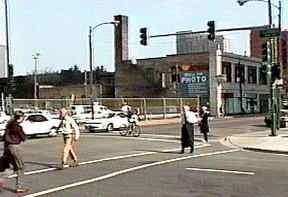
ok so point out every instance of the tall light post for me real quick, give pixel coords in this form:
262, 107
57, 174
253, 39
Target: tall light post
7, 34
242, 2
36, 58
91, 29
271, 60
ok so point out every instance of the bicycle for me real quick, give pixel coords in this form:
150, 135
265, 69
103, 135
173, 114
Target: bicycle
132, 129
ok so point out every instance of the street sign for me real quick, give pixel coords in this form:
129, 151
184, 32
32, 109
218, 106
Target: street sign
269, 33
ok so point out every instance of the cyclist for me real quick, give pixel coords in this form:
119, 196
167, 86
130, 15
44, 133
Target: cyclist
133, 118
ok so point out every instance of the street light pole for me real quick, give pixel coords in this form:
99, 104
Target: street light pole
7, 35
90, 61
271, 59
270, 13
91, 29
35, 57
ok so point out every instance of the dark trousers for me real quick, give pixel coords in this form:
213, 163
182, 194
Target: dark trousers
205, 136
187, 136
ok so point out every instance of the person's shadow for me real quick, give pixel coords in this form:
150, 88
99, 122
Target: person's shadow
49, 165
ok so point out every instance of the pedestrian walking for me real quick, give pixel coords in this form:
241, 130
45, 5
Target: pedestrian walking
13, 137
71, 134
204, 125
188, 119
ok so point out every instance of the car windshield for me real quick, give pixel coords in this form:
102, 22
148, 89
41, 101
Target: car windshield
36, 118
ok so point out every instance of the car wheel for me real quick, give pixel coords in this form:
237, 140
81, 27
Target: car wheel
110, 127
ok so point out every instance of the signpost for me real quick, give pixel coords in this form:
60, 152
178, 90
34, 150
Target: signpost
269, 33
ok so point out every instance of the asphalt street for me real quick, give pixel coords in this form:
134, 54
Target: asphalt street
150, 165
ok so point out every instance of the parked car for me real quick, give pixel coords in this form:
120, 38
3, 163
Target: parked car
115, 120
36, 124
84, 112
283, 118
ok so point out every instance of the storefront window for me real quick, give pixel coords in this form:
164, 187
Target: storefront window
226, 70
252, 74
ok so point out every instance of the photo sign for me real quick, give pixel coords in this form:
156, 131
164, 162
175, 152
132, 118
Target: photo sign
194, 83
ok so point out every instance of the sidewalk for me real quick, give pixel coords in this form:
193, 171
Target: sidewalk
261, 141
256, 141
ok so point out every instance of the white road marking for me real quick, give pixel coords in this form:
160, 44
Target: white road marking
224, 171
146, 138
141, 138
105, 159
113, 174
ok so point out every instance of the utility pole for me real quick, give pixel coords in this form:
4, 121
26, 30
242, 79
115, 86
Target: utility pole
90, 62
35, 57
8, 91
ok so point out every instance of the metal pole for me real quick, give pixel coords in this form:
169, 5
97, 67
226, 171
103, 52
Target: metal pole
90, 62
35, 77
270, 13
7, 35
279, 16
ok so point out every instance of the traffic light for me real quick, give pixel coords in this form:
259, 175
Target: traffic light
10, 70
211, 30
265, 52
275, 72
143, 36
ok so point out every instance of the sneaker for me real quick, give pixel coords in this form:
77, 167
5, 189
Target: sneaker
22, 190
64, 165
74, 164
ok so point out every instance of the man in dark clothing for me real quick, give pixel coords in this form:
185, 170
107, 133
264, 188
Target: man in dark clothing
204, 125
188, 119
13, 137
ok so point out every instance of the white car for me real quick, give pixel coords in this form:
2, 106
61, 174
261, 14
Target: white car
116, 120
36, 124
100, 111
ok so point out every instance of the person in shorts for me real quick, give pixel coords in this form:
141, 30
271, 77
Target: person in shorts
71, 134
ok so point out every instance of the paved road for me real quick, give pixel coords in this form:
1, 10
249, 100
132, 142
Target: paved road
151, 166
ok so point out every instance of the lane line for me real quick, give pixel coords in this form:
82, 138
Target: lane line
223, 171
125, 171
105, 159
146, 138
139, 138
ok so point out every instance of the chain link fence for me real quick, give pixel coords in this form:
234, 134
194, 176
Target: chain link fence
148, 107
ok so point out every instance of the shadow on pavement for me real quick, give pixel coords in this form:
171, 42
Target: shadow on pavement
50, 165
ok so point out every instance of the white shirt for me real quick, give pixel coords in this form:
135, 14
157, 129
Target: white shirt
190, 117
125, 108
68, 125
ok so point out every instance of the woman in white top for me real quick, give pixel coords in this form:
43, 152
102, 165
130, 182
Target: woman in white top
188, 119
71, 134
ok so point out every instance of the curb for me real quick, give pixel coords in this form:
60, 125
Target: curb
265, 150
228, 139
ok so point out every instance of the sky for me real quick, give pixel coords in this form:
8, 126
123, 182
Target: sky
58, 29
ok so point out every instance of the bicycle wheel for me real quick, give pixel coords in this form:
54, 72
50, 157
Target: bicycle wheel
124, 131
137, 130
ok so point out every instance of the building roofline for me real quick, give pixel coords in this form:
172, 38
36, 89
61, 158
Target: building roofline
241, 57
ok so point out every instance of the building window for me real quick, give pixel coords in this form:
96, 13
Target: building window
150, 74
252, 75
239, 73
226, 70
263, 75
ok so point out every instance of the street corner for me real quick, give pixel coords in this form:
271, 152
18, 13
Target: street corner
258, 141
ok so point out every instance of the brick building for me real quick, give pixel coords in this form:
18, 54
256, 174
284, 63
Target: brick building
227, 82
256, 43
